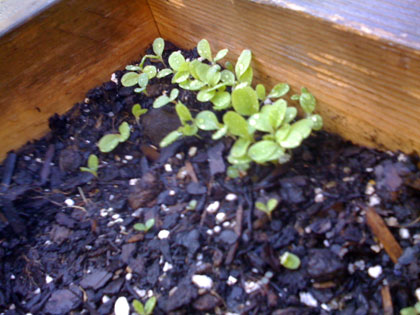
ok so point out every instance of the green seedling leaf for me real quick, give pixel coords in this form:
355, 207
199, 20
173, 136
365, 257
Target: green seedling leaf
176, 59
124, 130
204, 50
180, 76
143, 80
261, 206
317, 122
189, 129
293, 139
207, 120
279, 90
275, 113
261, 122
221, 100
282, 133
149, 224
192, 205
291, 113
220, 133
150, 71
232, 172
240, 147
221, 54
158, 46
140, 227
290, 261
170, 138
137, 111
192, 85
130, 79
227, 77
201, 70
109, 142
417, 307
260, 89
236, 124
247, 76
92, 166
262, 151
303, 126
138, 306
409, 311
132, 68
307, 102
213, 75
243, 63
163, 73
239, 162
245, 101
161, 101
229, 66
272, 204
184, 113
205, 95
295, 97
174, 94
139, 90
150, 305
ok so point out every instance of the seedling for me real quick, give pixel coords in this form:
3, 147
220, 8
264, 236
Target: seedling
144, 227
290, 261
268, 207
137, 111
147, 308
92, 166
204, 50
164, 99
110, 141
192, 205
412, 310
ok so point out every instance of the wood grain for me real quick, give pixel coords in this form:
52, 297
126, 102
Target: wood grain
50, 62
367, 80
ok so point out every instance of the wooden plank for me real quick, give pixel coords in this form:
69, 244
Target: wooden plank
50, 62
366, 76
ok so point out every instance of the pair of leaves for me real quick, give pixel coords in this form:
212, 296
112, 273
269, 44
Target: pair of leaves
270, 117
290, 261
267, 208
147, 308
237, 125
133, 78
92, 166
144, 227
164, 99
137, 111
306, 100
109, 142
204, 50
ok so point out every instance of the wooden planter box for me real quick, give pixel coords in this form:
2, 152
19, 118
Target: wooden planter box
360, 59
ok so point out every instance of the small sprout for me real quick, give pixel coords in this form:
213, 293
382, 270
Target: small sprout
92, 166
163, 73
267, 208
412, 310
146, 309
164, 99
260, 89
158, 47
221, 54
290, 261
144, 227
137, 111
243, 63
109, 142
279, 90
204, 50
192, 205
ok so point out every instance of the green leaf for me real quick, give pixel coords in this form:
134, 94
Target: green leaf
192, 85
129, 79
189, 129
227, 77
220, 133
158, 46
86, 169
109, 142
245, 101
143, 80
93, 162
163, 73
307, 102
201, 70
132, 68
213, 76
272, 204
261, 122
239, 162
205, 95
243, 63
276, 113
176, 59
140, 227
417, 307
260, 89
204, 50
221, 54
183, 112
282, 133
317, 122
290, 261
291, 113
240, 147
303, 126
261, 206
124, 130
295, 97
232, 172
161, 101
150, 305
138, 307
229, 66
149, 224
279, 90
151, 71
236, 124
262, 151
207, 120
221, 100
293, 139
137, 111
174, 94
180, 76
247, 76
170, 138
408, 311
139, 90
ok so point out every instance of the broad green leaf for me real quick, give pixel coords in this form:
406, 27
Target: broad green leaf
207, 120
261, 122
229, 66
282, 133
170, 138
149, 224
151, 71
243, 63
247, 76
260, 89
93, 162
174, 94
192, 67
227, 77
221, 100
132, 68
161, 101
205, 95
213, 76
276, 155
163, 73
240, 147
189, 129
239, 161
150, 305
180, 76
192, 85
140, 227
158, 46
236, 124
290, 261
221, 54
220, 133
124, 130
317, 122
303, 126
307, 102
143, 80
279, 90
138, 306
293, 139
184, 67
109, 142
262, 151
183, 112
245, 101
201, 70
176, 59
129, 79
291, 113
204, 50
275, 112
272, 204
261, 206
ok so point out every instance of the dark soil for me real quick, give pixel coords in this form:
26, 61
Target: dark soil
67, 243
